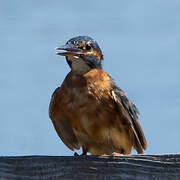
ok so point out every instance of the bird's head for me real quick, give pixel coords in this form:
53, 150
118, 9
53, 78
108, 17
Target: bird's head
82, 54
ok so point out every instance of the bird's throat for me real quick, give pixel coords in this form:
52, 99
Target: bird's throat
78, 65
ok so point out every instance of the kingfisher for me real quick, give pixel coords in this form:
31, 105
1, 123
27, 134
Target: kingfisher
89, 110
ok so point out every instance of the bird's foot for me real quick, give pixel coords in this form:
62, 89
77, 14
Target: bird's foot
76, 154
113, 154
105, 155
117, 154
83, 154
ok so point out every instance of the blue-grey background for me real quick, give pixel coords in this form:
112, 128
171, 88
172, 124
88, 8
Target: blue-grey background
140, 41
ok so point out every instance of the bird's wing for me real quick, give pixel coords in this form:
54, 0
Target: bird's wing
129, 110
61, 122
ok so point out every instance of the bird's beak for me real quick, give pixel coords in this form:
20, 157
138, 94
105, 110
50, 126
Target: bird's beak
68, 50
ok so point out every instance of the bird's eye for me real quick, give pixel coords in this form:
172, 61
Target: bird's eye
88, 47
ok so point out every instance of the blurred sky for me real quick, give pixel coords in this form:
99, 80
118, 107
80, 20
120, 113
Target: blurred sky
140, 41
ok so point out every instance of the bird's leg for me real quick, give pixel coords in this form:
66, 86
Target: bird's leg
84, 151
121, 153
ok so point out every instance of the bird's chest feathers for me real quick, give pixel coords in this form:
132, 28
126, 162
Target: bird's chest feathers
89, 89
88, 100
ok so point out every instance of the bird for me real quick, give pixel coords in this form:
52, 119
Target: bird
89, 111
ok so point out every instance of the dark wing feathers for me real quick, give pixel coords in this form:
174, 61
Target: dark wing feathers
133, 111
139, 138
